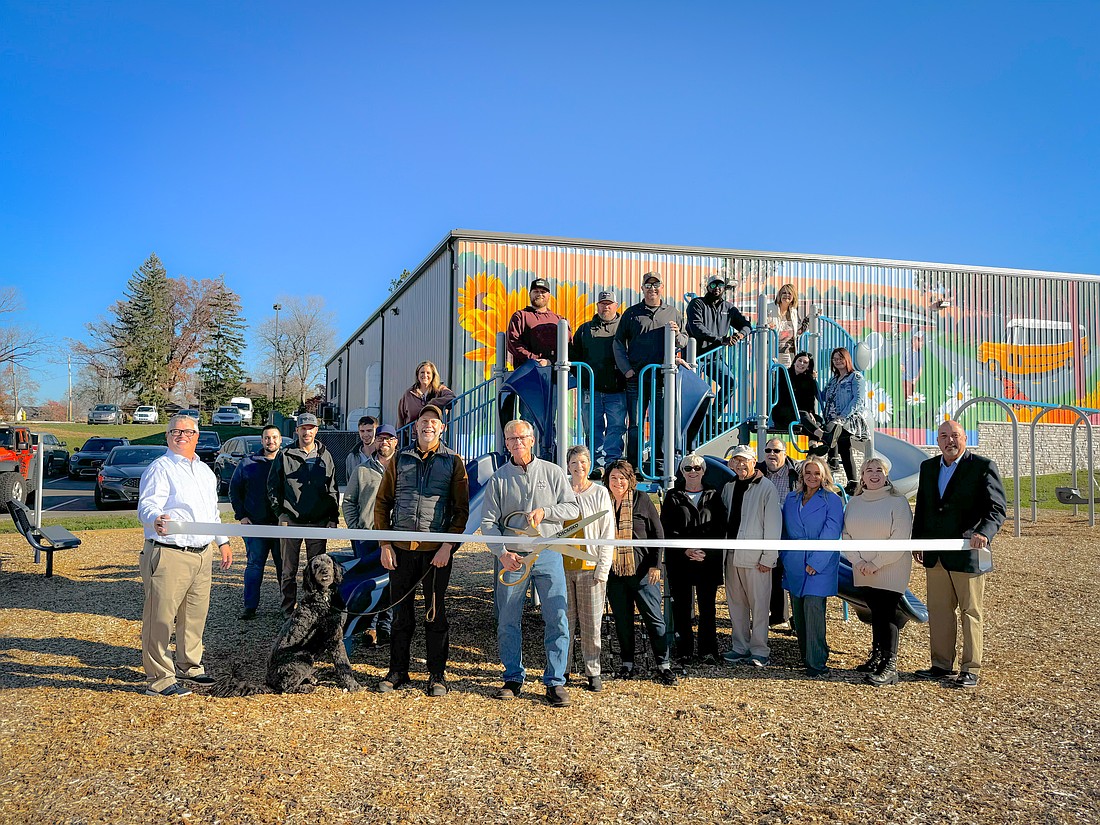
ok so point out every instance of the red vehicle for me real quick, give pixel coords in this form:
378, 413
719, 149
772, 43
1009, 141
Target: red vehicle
16, 469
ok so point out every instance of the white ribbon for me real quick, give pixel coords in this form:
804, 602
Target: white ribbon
271, 531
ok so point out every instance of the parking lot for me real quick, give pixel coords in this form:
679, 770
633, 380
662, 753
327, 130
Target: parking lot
65, 497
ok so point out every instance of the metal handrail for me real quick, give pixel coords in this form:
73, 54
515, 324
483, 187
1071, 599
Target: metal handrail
1015, 446
583, 424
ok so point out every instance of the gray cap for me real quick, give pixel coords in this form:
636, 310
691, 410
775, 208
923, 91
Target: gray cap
307, 420
743, 451
651, 276
607, 295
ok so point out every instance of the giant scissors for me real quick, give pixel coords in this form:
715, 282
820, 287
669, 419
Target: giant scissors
570, 530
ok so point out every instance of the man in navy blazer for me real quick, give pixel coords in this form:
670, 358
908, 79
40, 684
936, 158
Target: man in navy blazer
960, 495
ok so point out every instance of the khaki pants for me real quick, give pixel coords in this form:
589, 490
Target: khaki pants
177, 590
748, 597
949, 592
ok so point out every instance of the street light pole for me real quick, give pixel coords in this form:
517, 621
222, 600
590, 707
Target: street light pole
275, 374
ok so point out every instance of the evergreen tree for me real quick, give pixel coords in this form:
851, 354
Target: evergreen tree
143, 332
222, 372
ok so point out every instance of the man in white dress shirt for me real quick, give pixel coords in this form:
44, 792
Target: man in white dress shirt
176, 569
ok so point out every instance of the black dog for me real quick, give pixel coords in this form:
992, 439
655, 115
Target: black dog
314, 631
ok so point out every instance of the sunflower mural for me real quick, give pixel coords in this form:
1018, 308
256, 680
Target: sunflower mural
485, 306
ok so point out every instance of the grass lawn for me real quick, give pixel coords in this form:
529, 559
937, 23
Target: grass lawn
76, 434
1044, 491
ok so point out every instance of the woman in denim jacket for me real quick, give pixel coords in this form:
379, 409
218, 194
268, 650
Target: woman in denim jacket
843, 403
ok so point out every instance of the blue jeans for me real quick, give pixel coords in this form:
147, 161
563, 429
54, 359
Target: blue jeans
609, 414
257, 550
548, 575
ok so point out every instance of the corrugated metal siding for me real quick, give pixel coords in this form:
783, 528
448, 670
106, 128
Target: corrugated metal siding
421, 331
880, 305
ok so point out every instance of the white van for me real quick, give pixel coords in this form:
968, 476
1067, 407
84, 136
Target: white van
245, 406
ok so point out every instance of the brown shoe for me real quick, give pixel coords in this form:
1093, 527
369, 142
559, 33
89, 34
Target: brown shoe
370, 638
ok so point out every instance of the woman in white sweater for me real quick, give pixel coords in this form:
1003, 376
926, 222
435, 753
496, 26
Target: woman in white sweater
586, 583
879, 512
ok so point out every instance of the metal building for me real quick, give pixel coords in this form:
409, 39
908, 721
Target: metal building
938, 334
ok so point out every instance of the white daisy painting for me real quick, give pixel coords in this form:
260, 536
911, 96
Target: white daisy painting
880, 406
957, 395
946, 412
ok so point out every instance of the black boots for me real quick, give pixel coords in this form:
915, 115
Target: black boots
872, 664
887, 674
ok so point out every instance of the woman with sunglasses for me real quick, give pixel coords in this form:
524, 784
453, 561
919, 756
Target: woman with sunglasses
879, 512
812, 512
635, 578
693, 510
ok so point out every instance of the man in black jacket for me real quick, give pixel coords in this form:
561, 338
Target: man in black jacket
715, 322
640, 342
959, 495
248, 495
302, 490
594, 344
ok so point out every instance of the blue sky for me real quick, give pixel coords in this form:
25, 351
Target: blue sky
321, 148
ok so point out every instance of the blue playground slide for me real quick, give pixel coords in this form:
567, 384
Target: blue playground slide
365, 580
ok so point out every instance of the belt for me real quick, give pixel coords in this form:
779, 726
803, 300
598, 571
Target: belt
180, 546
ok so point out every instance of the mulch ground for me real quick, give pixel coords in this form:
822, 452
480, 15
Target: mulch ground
79, 742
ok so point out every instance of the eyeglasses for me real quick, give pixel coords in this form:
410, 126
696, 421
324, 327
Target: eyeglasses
183, 433
693, 469
651, 287
512, 439
772, 450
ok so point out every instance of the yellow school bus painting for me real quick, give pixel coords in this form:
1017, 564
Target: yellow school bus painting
1034, 346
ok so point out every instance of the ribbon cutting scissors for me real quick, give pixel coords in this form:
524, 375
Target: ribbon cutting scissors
570, 530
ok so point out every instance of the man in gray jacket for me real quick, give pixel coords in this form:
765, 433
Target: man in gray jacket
358, 509
301, 488
530, 491
639, 342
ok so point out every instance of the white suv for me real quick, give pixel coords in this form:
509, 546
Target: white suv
146, 415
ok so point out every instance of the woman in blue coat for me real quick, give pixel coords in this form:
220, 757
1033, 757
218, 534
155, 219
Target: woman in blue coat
813, 511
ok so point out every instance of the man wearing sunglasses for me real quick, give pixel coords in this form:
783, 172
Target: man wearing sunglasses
783, 473
639, 342
176, 569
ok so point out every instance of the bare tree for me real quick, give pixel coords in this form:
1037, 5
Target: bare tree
296, 359
18, 343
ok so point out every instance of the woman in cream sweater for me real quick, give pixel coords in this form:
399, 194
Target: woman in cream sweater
879, 512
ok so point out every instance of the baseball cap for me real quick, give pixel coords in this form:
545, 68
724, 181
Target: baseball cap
649, 277
307, 420
716, 279
385, 429
540, 283
430, 409
607, 295
744, 451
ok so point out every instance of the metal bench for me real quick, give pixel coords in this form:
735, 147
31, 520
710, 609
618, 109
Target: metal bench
46, 540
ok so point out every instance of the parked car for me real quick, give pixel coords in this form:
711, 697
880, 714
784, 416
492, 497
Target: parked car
190, 413
119, 478
146, 414
230, 456
56, 456
209, 444
85, 462
106, 414
227, 415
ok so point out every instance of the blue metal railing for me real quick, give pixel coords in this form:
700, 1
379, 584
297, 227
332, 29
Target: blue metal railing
583, 424
471, 423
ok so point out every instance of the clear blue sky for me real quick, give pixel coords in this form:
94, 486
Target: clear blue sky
321, 148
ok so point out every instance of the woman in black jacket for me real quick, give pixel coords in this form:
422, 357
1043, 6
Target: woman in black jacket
804, 383
693, 510
635, 578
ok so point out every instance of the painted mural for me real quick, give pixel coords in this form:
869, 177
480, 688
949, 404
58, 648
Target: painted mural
933, 339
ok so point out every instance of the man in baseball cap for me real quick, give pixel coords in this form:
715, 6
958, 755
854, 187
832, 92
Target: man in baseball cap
594, 344
533, 331
301, 487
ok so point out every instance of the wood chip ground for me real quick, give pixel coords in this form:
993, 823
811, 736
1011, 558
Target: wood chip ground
80, 743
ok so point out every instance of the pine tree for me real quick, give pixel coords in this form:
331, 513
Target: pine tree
222, 372
143, 332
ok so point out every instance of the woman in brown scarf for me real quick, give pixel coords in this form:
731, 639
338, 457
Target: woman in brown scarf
635, 578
